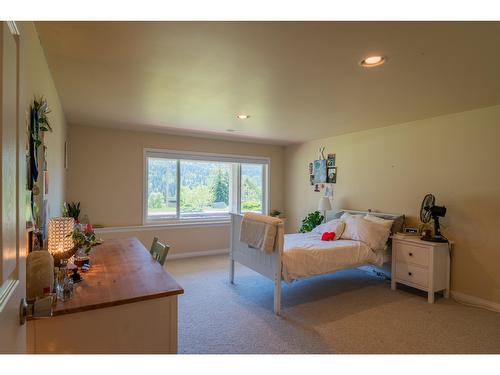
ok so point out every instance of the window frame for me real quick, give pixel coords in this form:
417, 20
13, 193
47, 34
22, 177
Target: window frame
235, 197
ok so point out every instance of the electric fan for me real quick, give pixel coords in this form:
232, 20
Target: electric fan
429, 210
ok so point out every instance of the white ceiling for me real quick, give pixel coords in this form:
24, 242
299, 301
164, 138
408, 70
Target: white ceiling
297, 80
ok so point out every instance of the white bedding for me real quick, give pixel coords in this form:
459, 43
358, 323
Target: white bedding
306, 255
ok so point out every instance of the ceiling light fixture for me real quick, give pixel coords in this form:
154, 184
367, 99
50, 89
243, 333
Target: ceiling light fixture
372, 61
242, 116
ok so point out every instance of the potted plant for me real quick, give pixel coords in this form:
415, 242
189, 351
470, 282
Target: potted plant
311, 221
72, 209
275, 213
84, 240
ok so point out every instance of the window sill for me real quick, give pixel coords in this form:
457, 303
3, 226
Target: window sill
177, 224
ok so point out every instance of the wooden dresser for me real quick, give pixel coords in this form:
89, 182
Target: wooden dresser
127, 303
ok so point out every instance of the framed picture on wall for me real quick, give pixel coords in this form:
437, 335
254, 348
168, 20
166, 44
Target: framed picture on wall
332, 175
330, 162
329, 191
319, 171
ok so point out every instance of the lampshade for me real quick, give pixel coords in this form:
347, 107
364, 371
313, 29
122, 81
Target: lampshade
324, 204
60, 229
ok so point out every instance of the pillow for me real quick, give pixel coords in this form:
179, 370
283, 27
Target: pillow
379, 220
336, 215
328, 236
359, 229
336, 226
350, 226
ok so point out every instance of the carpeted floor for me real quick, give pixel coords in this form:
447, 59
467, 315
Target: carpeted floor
350, 311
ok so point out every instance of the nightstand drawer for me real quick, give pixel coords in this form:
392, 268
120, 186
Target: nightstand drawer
413, 274
412, 254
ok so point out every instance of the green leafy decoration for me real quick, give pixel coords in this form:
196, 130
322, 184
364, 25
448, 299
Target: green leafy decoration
311, 221
40, 110
72, 209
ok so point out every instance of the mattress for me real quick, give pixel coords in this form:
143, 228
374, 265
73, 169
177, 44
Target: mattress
306, 255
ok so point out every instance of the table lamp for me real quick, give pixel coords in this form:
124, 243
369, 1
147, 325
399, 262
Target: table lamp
60, 243
324, 205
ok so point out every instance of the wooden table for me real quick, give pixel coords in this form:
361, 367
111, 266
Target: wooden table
127, 303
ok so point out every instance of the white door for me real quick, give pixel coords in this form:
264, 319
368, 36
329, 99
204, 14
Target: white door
12, 190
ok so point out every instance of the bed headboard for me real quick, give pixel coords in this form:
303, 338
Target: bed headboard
399, 219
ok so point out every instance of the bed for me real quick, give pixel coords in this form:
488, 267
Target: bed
300, 255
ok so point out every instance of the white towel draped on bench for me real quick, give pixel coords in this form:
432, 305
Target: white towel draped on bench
259, 231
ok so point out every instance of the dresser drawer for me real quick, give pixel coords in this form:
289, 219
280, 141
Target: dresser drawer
412, 254
412, 273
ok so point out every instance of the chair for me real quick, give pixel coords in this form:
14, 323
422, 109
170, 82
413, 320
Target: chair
159, 251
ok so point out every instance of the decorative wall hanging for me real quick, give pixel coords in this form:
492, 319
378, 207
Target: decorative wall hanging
323, 171
319, 171
321, 155
329, 191
38, 124
331, 169
332, 175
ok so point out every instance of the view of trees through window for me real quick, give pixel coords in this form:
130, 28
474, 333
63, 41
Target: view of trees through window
251, 187
162, 187
205, 188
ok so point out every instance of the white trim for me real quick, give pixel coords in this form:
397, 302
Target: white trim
203, 156
144, 188
177, 191
475, 301
13, 27
5, 294
206, 156
193, 254
156, 227
267, 186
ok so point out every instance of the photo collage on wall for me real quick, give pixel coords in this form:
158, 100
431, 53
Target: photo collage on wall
321, 172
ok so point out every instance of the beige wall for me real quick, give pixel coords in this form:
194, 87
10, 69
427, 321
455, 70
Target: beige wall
390, 169
36, 79
106, 176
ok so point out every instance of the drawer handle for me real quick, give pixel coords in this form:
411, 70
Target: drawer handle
409, 273
410, 254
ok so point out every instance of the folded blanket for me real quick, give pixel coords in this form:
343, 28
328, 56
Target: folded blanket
259, 231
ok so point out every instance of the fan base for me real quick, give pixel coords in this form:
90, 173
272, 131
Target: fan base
433, 239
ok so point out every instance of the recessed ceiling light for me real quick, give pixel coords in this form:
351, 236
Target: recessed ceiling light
371, 61
242, 116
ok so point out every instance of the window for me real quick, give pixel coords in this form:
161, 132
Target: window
184, 186
252, 199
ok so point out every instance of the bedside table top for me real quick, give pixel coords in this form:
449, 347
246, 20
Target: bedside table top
417, 240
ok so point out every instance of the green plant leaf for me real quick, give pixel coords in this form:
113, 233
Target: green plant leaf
311, 221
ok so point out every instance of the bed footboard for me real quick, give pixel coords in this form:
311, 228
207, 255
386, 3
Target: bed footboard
268, 265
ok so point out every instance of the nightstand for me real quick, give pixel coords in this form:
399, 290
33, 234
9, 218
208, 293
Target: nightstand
421, 264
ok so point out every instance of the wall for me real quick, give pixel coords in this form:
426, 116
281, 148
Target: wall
106, 175
36, 80
390, 169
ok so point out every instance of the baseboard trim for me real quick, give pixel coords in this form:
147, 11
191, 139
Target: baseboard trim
193, 254
476, 301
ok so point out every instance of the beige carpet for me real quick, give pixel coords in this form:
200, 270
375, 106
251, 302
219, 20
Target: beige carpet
350, 311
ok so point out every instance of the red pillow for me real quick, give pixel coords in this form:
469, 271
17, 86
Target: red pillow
328, 236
